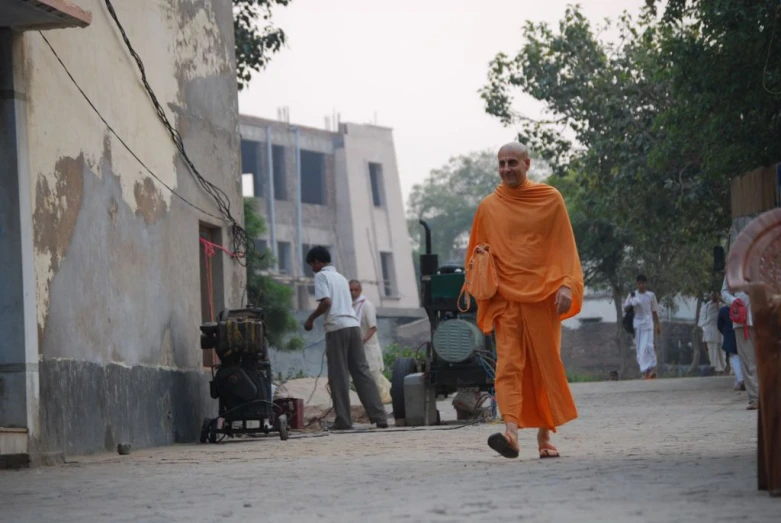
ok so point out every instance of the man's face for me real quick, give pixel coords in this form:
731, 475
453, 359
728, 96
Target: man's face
355, 291
317, 266
715, 296
513, 167
641, 286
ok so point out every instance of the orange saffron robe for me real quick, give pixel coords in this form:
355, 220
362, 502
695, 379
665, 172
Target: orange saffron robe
530, 237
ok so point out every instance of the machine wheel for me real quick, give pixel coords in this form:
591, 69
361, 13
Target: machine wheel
205, 430
283, 432
402, 368
213, 431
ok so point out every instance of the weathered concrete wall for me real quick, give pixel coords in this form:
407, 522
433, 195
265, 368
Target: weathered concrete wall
116, 254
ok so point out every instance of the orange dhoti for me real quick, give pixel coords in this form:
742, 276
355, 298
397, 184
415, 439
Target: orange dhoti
531, 384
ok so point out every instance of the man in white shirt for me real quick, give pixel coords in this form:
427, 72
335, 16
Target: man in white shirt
744, 336
711, 337
343, 344
646, 323
367, 315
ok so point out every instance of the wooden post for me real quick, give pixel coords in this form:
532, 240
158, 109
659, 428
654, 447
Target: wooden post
767, 325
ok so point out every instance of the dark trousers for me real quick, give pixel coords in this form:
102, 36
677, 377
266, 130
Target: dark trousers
346, 357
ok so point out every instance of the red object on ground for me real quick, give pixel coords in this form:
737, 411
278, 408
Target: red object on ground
293, 408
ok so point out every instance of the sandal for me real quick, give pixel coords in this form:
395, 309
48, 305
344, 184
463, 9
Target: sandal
501, 443
548, 451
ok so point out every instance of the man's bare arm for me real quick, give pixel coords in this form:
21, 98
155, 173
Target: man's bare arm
322, 308
369, 334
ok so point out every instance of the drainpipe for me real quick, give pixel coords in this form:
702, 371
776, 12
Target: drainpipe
299, 238
272, 215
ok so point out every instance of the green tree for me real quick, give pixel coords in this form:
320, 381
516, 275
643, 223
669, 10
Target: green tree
276, 299
609, 97
255, 43
448, 198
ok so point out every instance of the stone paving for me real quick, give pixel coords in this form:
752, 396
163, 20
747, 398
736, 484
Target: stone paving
675, 450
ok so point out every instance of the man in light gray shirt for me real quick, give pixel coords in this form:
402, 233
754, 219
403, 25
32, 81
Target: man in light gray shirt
343, 343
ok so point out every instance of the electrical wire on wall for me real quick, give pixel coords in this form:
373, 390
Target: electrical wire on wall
241, 244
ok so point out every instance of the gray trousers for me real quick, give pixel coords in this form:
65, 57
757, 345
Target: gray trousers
748, 361
346, 357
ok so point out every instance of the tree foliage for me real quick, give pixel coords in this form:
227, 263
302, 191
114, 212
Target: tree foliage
648, 131
449, 196
276, 299
257, 39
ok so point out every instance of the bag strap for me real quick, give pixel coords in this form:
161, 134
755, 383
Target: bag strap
465, 288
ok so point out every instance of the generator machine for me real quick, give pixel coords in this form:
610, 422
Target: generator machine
241, 381
458, 355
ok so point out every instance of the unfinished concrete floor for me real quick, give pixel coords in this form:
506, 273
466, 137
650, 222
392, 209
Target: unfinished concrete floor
662, 451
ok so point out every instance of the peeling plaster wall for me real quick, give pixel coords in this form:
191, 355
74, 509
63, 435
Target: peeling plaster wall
116, 254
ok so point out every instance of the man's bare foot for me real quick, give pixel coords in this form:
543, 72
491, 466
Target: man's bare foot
547, 450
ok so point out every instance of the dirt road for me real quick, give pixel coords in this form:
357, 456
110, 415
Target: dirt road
663, 451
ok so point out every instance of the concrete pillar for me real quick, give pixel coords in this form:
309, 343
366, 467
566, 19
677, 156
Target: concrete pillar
19, 390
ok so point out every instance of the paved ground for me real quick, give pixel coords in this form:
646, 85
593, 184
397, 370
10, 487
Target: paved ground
663, 451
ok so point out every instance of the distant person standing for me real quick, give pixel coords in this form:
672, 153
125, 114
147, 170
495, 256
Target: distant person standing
646, 324
367, 315
711, 337
740, 314
730, 346
343, 345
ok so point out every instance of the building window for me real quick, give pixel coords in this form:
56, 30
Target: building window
375, 177
250, 164
283, 258
260, 245
312, 177
307, 269
388, 273
280, 180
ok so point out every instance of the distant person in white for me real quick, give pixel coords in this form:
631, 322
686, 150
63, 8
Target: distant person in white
343, 346
711, 337
367, 315
746, 341
646, 323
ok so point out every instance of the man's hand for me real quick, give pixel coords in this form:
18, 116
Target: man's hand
309, 324
563, 300
658, 329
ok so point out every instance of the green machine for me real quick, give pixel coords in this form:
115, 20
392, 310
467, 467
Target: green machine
458, 356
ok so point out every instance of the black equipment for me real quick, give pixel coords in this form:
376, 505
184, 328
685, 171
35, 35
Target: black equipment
242, 380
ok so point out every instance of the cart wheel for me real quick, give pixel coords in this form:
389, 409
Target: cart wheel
213, 431
282, 422
205, 430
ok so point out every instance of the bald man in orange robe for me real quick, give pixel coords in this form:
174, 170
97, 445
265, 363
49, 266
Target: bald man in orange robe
526, 228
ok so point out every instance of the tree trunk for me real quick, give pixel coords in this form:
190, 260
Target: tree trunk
696, 339
621, 334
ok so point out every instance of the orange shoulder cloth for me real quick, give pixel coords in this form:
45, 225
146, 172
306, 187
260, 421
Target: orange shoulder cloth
532, 246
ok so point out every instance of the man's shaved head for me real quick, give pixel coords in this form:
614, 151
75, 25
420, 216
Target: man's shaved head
515, 148
514, 162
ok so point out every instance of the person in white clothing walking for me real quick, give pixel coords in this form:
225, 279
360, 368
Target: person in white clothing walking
711, 337
646, 323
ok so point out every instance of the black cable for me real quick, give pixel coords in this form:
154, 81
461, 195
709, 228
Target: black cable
242, 245
111, 129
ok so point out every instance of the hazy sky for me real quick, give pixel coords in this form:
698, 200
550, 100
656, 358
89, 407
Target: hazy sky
416, 64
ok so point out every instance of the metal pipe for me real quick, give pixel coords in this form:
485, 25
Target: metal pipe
299, 238
271, 214
428, 236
